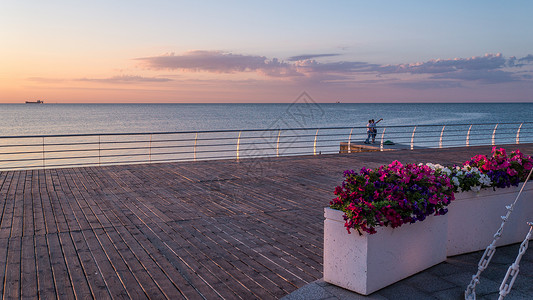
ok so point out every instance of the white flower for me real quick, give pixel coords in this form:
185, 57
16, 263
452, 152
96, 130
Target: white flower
485, 180
455, 181
476, 188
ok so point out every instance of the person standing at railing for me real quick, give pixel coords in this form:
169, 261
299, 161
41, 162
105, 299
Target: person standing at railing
369, 131
374, 130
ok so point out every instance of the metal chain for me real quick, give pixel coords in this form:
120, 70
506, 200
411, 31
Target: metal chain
513, 270
470, 292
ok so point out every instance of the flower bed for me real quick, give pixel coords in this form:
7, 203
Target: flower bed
398, 194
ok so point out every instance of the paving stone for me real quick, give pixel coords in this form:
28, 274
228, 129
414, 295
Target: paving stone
310, 291
427, 282
403, 292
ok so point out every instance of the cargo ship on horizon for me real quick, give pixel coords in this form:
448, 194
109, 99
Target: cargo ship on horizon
35, 102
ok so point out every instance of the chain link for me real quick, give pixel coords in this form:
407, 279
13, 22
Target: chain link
470, 292
513, 270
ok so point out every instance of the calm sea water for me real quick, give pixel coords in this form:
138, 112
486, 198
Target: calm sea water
32, 119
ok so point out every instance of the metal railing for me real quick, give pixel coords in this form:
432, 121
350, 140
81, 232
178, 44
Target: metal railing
52, 151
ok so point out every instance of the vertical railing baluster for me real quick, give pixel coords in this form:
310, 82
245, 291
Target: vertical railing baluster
441, 133
238, 144
277, 144
44, 160
468, 136
413, 138
382, 137
349, 142
195, 140
518, 134
494, 135
150, 150
314, 145
99, 150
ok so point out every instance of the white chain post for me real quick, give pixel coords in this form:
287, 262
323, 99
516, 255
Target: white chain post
441, 133
468, 136
413, 138
314, 145
349, 142
277, 144
470, 292
513, 270
518, 133
382, 136
494, 135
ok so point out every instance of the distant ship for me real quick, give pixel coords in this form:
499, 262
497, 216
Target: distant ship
35, 102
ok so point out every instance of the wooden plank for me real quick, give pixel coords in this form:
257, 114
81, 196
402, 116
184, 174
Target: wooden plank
39, 222
18, 207
3, 261
8, 198
29, 269
13, 270
28, 206
57, 212
45, 276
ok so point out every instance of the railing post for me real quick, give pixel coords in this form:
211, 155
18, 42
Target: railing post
413, 138
468, 136
382, 137
314, 145
238, 144
349, 142
44, 160
99, 149
518, 134
150, 150
195, 140
441, 133
494, 135
277, 144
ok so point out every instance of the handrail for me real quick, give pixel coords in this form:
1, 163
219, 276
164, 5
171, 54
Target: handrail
66, 150
237, 130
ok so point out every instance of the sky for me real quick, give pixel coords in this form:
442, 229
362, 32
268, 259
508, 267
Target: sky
265, 51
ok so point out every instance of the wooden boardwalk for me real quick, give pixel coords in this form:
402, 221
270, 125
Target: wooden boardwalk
211, 229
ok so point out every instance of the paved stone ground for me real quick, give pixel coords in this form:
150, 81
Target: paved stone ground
195, 230
447, 280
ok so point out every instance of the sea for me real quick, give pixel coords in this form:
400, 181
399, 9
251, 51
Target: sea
49, 119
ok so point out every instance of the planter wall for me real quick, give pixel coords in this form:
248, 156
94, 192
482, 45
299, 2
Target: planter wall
367, 263
473, 218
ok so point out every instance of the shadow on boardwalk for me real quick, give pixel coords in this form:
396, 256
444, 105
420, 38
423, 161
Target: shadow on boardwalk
210, 229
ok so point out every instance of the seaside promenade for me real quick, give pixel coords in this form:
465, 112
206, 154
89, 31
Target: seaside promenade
197, 230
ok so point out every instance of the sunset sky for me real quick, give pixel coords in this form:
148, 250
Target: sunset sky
266, 51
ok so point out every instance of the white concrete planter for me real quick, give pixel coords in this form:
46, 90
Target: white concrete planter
367, 263
474, 218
